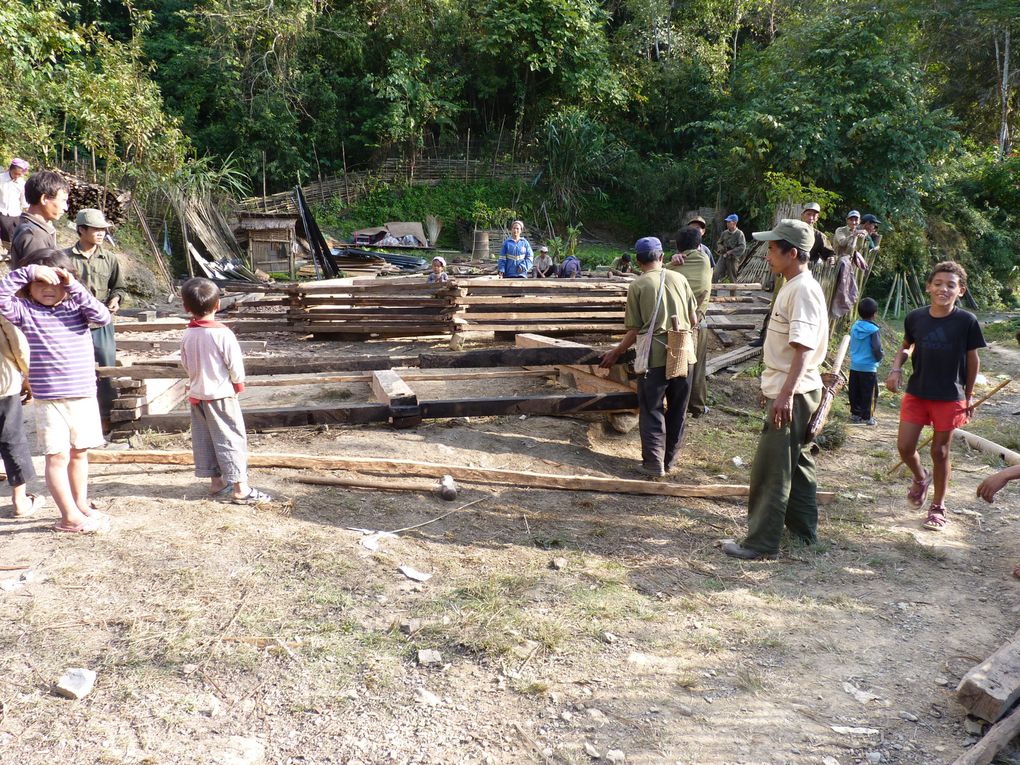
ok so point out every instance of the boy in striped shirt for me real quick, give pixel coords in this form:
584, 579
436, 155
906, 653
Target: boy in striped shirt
55, 312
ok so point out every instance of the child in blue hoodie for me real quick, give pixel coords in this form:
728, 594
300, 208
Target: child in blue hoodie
865, 353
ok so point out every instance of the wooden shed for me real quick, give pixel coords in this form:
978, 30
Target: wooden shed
272, 241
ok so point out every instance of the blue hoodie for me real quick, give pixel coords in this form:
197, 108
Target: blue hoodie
865, 346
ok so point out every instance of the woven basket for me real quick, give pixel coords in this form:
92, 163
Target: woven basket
677, 342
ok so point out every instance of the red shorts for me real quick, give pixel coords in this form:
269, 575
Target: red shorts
943, 416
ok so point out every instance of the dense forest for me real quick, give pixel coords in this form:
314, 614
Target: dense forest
632, 109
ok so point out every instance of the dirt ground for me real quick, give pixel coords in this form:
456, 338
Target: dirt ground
569, 625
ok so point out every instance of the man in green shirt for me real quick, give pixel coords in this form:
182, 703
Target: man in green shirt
730, 250
653, 299
696, 268
99, 272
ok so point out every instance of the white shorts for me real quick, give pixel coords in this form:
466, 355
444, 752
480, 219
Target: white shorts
68, 423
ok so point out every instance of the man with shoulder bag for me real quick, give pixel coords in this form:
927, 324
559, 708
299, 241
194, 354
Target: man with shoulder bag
661, 311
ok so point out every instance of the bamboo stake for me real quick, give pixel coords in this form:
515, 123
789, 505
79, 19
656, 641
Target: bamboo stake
977, 403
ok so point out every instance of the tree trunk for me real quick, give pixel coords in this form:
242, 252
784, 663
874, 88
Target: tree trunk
1002, 64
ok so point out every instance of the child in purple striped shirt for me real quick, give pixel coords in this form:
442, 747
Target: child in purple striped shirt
55, 311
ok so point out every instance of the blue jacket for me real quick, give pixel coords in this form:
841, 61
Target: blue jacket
570, 267
865, 346
515, 259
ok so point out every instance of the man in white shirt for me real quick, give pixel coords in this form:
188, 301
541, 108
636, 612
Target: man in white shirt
12, 197
783, 487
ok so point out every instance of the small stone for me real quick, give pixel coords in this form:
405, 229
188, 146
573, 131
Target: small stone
685, 710
566, 715
426, 697
428, 657
873, 758
973, 726
591, 751
411, 626
558, 563
189, 669
597, 716
830, 761
941, 680
76, 683
615, 755
210, 706
238, 750
609, 637
908, 716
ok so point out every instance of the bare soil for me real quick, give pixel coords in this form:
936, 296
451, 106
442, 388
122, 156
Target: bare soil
206, 621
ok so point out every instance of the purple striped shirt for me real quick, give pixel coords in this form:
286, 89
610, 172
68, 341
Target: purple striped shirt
62, 362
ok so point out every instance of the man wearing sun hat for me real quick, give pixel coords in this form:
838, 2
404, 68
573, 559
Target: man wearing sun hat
730, 249
12, 197
99, 272
783, 488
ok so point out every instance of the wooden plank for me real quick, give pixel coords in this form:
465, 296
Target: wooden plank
740, 310
162, 396
285, 417
259, 367
366, 377
165, 325
545, 328
532, 405
169, 346
379, 465
389, 389
728, 287
730, 358
991, 688
727, 339
542, 300
512, 357
586, 378
562, 318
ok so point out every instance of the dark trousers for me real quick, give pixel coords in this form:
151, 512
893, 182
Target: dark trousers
698, 378
662, 409
104, 344
14, 449
783, 488
8, 223
863, 391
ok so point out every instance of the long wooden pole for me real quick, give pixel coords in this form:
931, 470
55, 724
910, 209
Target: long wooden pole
977, 403
460, 472
1000, 734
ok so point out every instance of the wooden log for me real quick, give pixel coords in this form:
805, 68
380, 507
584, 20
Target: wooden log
991, 688
512, 357
994, 741
366, 377
389, 389
1008, 456
460, 472
586, 378
387, 484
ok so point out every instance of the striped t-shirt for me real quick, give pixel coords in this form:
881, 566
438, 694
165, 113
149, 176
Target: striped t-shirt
62, 363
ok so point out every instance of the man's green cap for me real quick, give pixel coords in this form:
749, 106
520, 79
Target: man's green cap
91, 217
697, 219
796, 232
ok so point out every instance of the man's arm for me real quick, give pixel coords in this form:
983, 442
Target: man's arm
611, 356
993, 483
115, 287
782, 408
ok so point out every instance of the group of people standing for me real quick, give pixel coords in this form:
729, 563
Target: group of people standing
941, 341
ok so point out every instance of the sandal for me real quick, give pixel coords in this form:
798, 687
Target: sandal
919, 490
35, 504
254, 497
222, 494
936, 520
91, 525
1016, 571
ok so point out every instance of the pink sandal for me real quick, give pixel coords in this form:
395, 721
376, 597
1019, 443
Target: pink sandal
919, 490
936, 520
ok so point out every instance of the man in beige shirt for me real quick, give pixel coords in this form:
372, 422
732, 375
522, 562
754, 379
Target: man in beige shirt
783, 487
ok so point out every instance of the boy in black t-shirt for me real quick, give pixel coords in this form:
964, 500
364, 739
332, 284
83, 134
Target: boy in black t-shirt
945, 339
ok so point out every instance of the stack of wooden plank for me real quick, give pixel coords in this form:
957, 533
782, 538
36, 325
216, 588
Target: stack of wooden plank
83, 194
550, 306
140, 397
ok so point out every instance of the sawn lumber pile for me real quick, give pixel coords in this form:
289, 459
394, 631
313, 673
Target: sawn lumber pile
409, 307
83, 194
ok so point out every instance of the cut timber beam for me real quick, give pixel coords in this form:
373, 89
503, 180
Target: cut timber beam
996, 739
993, 686
389, 389
588, 378
730, 358
260, 419
460, 472
169, 346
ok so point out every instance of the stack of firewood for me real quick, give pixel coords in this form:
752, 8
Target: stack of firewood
113, 202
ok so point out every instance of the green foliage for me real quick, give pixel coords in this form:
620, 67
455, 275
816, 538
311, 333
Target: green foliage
460, 205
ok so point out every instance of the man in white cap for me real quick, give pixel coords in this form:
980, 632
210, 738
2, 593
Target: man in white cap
12, 197
783, 487
653, 300
99, 273
544, 268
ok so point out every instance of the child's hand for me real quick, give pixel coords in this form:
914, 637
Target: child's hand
47, 275
892, 382
65, 276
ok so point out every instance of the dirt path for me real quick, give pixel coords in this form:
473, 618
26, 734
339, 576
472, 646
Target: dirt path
206, 621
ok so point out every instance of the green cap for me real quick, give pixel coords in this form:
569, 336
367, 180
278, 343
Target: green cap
91, 217
796, 232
